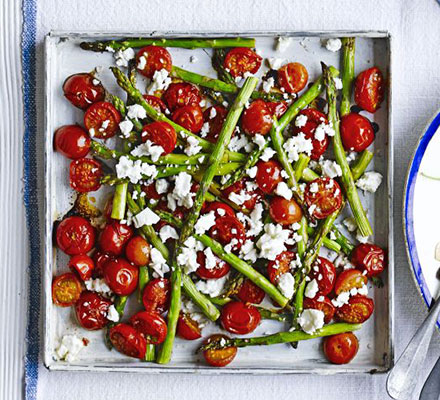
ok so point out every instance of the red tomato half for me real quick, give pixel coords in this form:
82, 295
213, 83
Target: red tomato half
150, 325
72, 141
325, 200
370, 258
155, 58
121, 276
187, 328
181, 94
66, 289
277, 109
162, 134
75, 235
219, 357
102, 120
280, 265
257, 118
151, 192
190, 117
83, 265
324, 272
341, 348
323, 304
156, 296
220, 209
249, 292
85, 175
226, 229
215, 116
356, 132
240, 60
240, 318
244, 187
220, 269
80, 90
292, 77
284, 212
156, 103
356, 311
91, 310
114, 237
100, 259
127, 340
369, 89
349, 279
137, 251
268, 175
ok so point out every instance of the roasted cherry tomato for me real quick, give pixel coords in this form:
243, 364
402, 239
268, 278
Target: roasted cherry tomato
268, 175
181, 94
349, 279
72, 141
356, 132
220, 269
127, 340
83, 265
323, 197
249, 292
102, 120
323, 304
240, 60
369, 89
121, 276
85, 175
277, 109
219, 357
81, 91
370, 258
215, 117
227, 229
151, 192
190, 117
356, 311
150, 325
240, 318
280, 265
91, 310
245, 188
315, 118
162, 134
324, 272
66, 289
283, 211
292, 77
75, 235
114, 237
150, 59
156, 103
257, 118
100, 259
156, 296
220, 209
137, 251
341, 348
187, 328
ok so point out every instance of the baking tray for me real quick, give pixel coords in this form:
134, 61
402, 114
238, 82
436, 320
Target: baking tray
63, 57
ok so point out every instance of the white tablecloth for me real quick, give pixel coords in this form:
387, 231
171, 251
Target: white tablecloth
415, 26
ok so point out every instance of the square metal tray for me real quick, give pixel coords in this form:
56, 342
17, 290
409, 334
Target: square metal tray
64, 57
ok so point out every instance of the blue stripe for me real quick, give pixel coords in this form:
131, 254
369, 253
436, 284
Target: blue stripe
30, 194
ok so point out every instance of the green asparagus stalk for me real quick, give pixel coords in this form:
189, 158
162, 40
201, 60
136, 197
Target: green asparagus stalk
344, 243
217, 63
273, 315
119, 303
361, 164
348, 46
119, 201
300, 165
328, 243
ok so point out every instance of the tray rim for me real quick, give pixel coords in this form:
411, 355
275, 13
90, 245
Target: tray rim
47, 353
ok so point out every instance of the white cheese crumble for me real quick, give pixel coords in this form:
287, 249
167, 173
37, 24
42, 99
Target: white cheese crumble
342, 299
126, 126
188, 307
333, 45
268, 84
192, 146
181, 194
136, 111
314, 187
360, 238
187, 258
330, 168
148, 149
160, 81
338, 83
161, 186
98, 285
204, 223
350, 224
311, 320
239, 142
168, 232
301, 120
311, 289
273, 241
158, 263
259, 140
252, 172
286, 284
112, 314
283, 42
248, 251
275, 63
134, 170
268, 153
322, 130
124, 56
369, 181
142, 62
212, 287
145, 217
297, 144
69, 348
210, 258
283, 190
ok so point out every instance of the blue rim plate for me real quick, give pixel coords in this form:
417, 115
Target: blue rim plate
411, 180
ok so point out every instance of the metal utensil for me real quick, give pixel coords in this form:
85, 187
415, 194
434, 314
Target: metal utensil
403, 377
431, 388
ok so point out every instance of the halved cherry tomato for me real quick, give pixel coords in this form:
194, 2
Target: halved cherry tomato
215, 117
137, 251
370, 258
100, 259
91, 310
257, 118
114, 237
268, 175
369, 89
162, 134
80, 90
323, 197
83, 265
314, 119
155, 102
324, 272
240, 60
277, 109
156, 58
72, 141
240, 318
121, 276
220, 209
226, 229
190, 117
220, 269
356, 132
249, 292
156, 296
187, 328
127, 340
150, 325
283, 211
349, 279
85, 175
323, 304
219, 357
75, 235
66, 289
181, 94
102, 120
151, 192
356, 311
292, 77
280, 265
341, 348
246, 188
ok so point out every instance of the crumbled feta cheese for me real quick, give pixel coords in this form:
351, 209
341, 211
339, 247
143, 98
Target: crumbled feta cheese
142, 63
331, 168
124, 56
301, 121
167, 232
311, 289
99, 286
192, 146
158, 263
204, 223
350, 224
286, 284
136, 111
238, 142
145, 217
162, 186
259, 140
273, 241
283, 42
69, 348
160, 81
126, 126
275, 63
212, 287
181, 195
205, 130
112, 314
342, 299
313, 188
338, 83
298, 144
312, 209
283, 190
210, 258
268, 153
351, 156
148, 149
254, 221
252, 172
268, 84
311, 320
322, 130
134, 170
360, 238
187, 258
212, 113
188, 307
96, 82
248, 251
369, 181
333, 45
